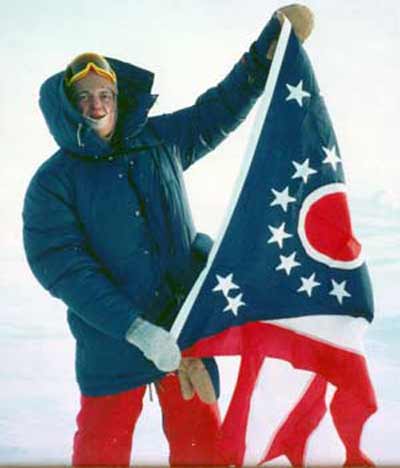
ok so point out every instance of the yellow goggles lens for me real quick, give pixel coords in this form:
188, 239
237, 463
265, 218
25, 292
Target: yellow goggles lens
83, 64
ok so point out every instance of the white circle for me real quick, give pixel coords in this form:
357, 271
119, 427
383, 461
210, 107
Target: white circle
318, 256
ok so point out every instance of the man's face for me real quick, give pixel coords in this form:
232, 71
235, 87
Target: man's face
95, 97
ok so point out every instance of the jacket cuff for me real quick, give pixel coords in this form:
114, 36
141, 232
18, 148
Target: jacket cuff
201, 246
270, 33
255, 61
133, 330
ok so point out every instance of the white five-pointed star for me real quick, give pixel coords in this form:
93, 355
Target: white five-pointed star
287, 263
308, 284
339, 291
331, 157
282, 198
303, 170
278, 235
234, 303
297, 93
225, 284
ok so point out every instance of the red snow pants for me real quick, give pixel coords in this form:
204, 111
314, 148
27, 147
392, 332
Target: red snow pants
106, 425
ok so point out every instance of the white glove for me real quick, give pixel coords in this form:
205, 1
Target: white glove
156, 344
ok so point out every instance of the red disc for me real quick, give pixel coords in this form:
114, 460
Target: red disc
328, 228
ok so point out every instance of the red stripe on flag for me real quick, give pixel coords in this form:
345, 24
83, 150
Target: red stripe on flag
292, 436
354, 401
232, 444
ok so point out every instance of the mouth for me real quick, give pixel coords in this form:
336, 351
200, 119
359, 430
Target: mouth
96, 118
97, 122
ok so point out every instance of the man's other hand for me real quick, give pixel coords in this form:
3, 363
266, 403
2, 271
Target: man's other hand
302, 20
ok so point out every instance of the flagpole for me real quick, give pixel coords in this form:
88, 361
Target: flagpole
262, 113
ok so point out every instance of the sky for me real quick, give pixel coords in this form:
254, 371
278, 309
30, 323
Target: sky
190, 45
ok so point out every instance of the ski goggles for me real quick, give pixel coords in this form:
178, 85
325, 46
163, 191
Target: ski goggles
85, 63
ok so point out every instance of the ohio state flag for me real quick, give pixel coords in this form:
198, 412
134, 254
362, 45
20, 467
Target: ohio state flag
286, 279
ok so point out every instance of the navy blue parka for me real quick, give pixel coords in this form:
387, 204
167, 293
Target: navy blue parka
107, 225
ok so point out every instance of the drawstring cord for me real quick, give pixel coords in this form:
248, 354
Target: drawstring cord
78, 135
150, 392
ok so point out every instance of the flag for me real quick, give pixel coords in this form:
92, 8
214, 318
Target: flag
286, 279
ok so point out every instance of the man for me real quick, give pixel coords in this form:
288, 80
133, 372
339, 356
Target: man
107, 229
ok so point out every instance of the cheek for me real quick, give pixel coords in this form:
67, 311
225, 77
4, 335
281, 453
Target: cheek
111, 118
83, 107
111, 108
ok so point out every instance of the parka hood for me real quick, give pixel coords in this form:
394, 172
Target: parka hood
71, 131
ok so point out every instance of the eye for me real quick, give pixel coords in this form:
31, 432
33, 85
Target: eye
82, 97
106, 96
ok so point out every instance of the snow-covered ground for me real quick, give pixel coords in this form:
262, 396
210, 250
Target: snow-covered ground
40, 397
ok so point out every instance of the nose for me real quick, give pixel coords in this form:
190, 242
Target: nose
95, 102
95, 107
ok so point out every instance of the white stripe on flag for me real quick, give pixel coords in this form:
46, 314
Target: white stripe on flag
338, 330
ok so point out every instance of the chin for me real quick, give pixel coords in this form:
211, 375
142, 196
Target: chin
106, 134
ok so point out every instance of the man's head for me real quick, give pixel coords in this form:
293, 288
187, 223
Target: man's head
92, 85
